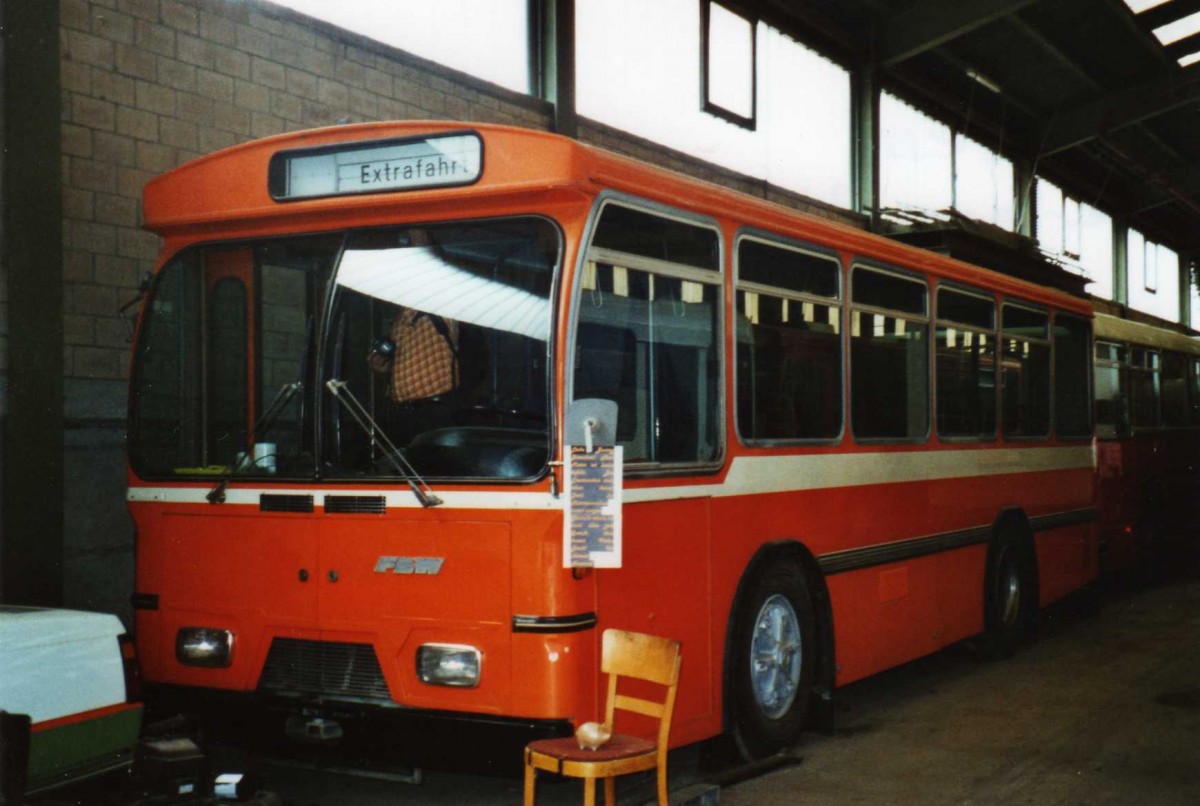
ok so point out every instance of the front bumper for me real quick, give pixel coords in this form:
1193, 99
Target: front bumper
371, 733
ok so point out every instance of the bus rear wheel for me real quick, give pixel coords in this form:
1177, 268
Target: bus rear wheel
1009, 598
774, 649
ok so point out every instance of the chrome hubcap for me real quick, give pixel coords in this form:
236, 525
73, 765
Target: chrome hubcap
1010, 590
775, 656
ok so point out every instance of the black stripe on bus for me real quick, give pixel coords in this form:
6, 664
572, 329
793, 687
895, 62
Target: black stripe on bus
839, 562
554, 624
1044, 523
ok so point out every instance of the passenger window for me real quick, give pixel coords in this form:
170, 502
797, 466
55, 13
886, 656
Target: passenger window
966, 365
789, 346
1174, 389
1072, 340
1025, 372
647, 335
1144, 389
1194, 386
889, 356
1112, 389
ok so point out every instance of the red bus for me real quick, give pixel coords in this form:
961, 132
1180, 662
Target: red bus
353, 374
1148, 428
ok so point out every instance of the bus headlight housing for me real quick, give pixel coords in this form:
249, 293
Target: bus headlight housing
204, 646
455, 665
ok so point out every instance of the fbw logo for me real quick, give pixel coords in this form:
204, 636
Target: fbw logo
409, 565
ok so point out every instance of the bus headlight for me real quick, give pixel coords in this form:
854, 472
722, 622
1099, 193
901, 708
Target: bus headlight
449, 665
204, 646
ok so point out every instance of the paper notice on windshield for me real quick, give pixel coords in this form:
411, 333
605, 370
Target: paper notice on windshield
592, 522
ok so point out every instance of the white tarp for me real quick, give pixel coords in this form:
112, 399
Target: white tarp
54, 663
415, 277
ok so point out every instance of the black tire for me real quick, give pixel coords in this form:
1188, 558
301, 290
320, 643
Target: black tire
1009, 597
769, 691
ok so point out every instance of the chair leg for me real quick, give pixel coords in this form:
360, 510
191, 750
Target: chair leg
662, 786
610, 791
589, 792
530, 784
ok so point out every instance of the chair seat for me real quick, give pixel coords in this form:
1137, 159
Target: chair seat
616, 748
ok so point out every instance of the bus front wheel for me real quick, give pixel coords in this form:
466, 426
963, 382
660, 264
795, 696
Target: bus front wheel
774, 649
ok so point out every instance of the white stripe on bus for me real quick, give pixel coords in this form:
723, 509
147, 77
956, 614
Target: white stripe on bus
748, 475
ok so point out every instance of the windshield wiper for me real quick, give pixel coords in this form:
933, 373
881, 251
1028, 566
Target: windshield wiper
286, 392
374, 433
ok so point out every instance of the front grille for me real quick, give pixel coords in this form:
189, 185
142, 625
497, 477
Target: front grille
355, 505
327, 668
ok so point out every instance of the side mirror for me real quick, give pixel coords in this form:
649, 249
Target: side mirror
594, 415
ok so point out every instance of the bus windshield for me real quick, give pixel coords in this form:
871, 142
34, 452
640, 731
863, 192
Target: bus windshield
440, 332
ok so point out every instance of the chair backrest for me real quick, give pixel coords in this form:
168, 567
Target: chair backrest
641, 657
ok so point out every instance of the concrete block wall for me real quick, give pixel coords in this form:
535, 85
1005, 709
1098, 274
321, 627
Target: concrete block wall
149, 84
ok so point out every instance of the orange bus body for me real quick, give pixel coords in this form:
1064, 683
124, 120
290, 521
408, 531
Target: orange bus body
895, 536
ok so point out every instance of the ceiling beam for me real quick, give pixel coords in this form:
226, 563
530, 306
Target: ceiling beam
1072, 127
1185, 182
931, 23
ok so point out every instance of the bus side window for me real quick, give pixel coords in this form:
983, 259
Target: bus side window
965, 365
1174, 389
647, 334
1025, 372
789, 347
889, 356
1072, 340
1144, 388
1112, 390
1194, 387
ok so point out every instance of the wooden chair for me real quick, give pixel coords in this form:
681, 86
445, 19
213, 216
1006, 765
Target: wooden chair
625, 654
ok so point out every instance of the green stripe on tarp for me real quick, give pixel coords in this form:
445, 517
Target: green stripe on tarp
79, 749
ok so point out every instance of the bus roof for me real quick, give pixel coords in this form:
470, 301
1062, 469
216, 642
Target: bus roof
227, 192
1113, 328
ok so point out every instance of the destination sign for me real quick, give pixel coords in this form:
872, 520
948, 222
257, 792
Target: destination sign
378, 167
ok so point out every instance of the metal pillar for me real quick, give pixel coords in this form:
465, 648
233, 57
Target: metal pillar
31, 456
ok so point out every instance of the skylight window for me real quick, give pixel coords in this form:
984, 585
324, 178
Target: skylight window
729, 79
1180, 29
1138, 6
633, 78
1153, 277
488, 39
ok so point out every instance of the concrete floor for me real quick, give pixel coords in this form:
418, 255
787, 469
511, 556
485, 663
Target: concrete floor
1103, 709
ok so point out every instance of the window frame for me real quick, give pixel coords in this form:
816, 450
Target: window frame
715, 278
880, 267
1048, 341
1090, 381
1121, 365
839, 302
1154, 370
936, 320
750, 122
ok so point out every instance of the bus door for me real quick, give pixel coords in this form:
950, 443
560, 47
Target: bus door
647, 336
